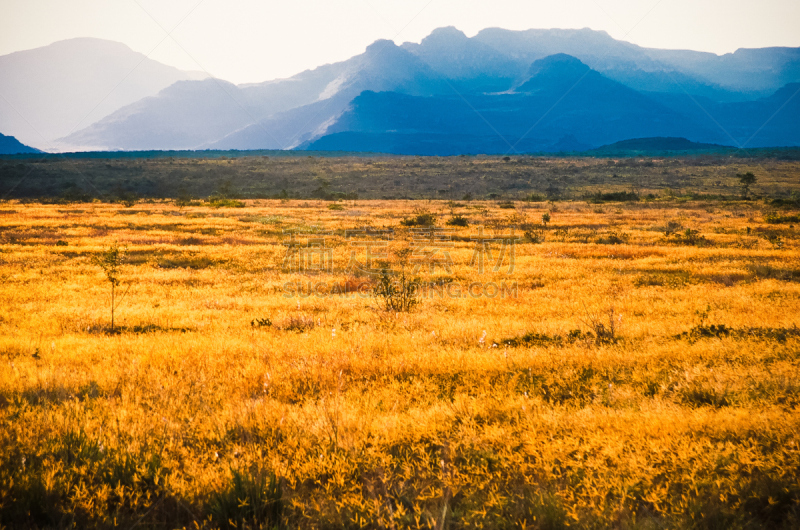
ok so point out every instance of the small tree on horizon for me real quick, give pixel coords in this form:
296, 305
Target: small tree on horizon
745, 181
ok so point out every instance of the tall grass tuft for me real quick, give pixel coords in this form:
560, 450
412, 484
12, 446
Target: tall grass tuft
252, 500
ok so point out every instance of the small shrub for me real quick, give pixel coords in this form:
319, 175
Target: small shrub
187, 201
764, 272
534, 235
701, 331
718, 331
185, 262
688, 237
535, 197
613, 238
154, 328
337, 207
672, 227
398, 292
774, 239
261, 323
506, 205
421, 219
127, 199
218, 202
539, 339
299, 324
674, 280
775, 218
533, 339
604, 333
617, 196
457, 220
704, 395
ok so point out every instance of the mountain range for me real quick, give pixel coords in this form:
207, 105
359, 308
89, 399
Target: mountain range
500, 91
52, 91
11, 146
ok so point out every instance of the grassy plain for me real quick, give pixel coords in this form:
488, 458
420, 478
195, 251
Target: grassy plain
224, 399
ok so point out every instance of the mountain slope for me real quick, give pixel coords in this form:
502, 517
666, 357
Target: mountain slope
185, 115
772, 121
562, 100
231, 117
11, 146
48, 92
382, 67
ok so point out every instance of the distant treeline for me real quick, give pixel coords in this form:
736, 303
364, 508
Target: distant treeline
777, 153
129, 177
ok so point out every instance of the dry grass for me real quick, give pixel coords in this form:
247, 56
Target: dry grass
505, 412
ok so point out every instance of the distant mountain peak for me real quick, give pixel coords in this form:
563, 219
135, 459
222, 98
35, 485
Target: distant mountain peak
379, 46
556, 71
560, 64
89, 44
446, 34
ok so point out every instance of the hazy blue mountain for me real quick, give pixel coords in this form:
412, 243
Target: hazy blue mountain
570, 87
11, 146
657, 144
186, 115
218, 115
51, 91
563, 105
383, 67
772, 121
469, 65
506, 54
761, 71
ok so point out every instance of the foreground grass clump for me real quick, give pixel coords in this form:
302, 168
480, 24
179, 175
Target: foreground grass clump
268, 370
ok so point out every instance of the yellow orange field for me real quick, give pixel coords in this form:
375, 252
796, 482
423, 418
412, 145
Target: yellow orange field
637, 367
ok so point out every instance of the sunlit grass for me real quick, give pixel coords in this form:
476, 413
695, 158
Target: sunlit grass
339, 414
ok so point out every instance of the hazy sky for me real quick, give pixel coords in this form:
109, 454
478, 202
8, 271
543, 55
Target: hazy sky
257, 40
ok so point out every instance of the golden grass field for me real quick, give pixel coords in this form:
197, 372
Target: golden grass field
222, 399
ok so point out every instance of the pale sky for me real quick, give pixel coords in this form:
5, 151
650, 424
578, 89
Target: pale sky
257, 40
